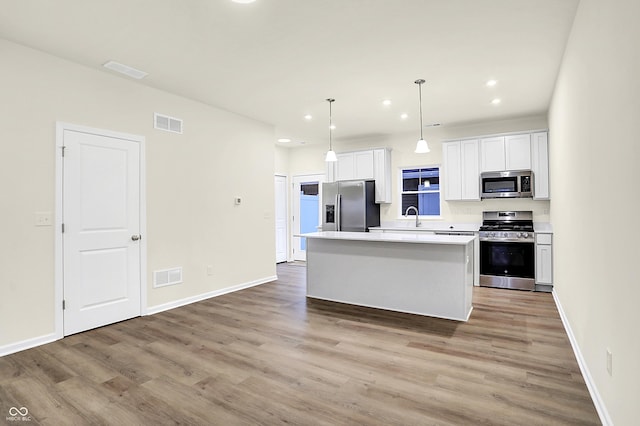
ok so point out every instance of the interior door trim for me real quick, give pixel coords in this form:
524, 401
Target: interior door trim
58, 251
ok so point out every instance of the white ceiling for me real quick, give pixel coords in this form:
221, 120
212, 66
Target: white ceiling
277, 60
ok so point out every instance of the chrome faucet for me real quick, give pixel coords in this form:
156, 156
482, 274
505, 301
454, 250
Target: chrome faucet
406, 214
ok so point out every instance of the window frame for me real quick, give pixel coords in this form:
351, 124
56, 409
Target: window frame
401, 191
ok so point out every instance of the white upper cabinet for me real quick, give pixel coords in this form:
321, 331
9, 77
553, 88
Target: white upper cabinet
492, 155
371, 164
517, 152
540, 165
382, 174
460, 159
502, 153
452, 173
363, 161
345, 166
354, 165
470, 173
464, 161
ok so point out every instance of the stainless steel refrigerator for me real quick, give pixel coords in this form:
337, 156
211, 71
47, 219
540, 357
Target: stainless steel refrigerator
349, 206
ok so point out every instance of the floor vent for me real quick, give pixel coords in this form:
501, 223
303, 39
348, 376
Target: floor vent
166, 123
167, 277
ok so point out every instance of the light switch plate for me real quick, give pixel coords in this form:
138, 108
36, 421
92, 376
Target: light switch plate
43, 219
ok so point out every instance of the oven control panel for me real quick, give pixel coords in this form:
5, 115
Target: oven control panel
516, 236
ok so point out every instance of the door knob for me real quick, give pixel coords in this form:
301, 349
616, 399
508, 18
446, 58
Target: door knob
136, 237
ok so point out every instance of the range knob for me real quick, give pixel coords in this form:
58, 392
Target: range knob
505, 235
525, 235
519, 235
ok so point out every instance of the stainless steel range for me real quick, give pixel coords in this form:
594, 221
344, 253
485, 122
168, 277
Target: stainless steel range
507, 250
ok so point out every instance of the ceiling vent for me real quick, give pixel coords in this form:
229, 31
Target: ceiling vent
125, 69
167, 277
166, 123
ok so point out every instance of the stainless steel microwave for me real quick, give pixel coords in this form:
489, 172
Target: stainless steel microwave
512, 184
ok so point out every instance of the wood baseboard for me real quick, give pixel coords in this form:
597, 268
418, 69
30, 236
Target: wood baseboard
27, 344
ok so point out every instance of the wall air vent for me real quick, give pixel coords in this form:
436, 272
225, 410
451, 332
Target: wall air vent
167, 277
125, 69
166, 123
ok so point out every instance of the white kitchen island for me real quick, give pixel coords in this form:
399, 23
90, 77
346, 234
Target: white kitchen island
419, 274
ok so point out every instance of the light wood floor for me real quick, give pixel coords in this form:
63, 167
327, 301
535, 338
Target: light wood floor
266, 355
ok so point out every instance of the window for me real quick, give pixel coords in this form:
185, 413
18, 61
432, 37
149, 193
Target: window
421, 189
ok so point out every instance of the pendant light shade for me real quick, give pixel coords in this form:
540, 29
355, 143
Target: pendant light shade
331, 155
421, 146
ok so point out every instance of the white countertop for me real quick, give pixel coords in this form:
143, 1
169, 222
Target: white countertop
399, 237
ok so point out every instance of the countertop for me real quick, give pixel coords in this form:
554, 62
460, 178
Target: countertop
393, 237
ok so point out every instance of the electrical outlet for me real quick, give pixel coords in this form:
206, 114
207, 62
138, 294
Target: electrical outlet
609, 362
237, 201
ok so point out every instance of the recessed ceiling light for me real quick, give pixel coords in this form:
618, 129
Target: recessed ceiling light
496, 101
125, 69
404, 116
243, 1
386, 102
491, 83
308, 117
284, 140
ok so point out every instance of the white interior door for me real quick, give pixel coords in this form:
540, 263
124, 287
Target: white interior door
101, 217
306, 210
281, 218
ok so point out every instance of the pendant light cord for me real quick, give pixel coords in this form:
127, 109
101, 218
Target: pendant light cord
419, 83
330, 100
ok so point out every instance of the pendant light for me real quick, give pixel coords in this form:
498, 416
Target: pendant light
331, 155
421, 146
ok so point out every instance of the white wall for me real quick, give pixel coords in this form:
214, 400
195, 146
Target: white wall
281, 163
595, 124
191, 181
310, 159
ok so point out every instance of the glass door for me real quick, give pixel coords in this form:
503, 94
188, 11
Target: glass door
306, 211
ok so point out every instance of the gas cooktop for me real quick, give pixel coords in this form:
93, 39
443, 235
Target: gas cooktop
512, 226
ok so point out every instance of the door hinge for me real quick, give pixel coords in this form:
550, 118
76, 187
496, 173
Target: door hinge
63, 148
63, 228
64, 305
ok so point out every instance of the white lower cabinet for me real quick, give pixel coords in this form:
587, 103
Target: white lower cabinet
544, 258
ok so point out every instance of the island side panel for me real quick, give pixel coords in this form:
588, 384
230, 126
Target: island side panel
425, 279
471, 275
